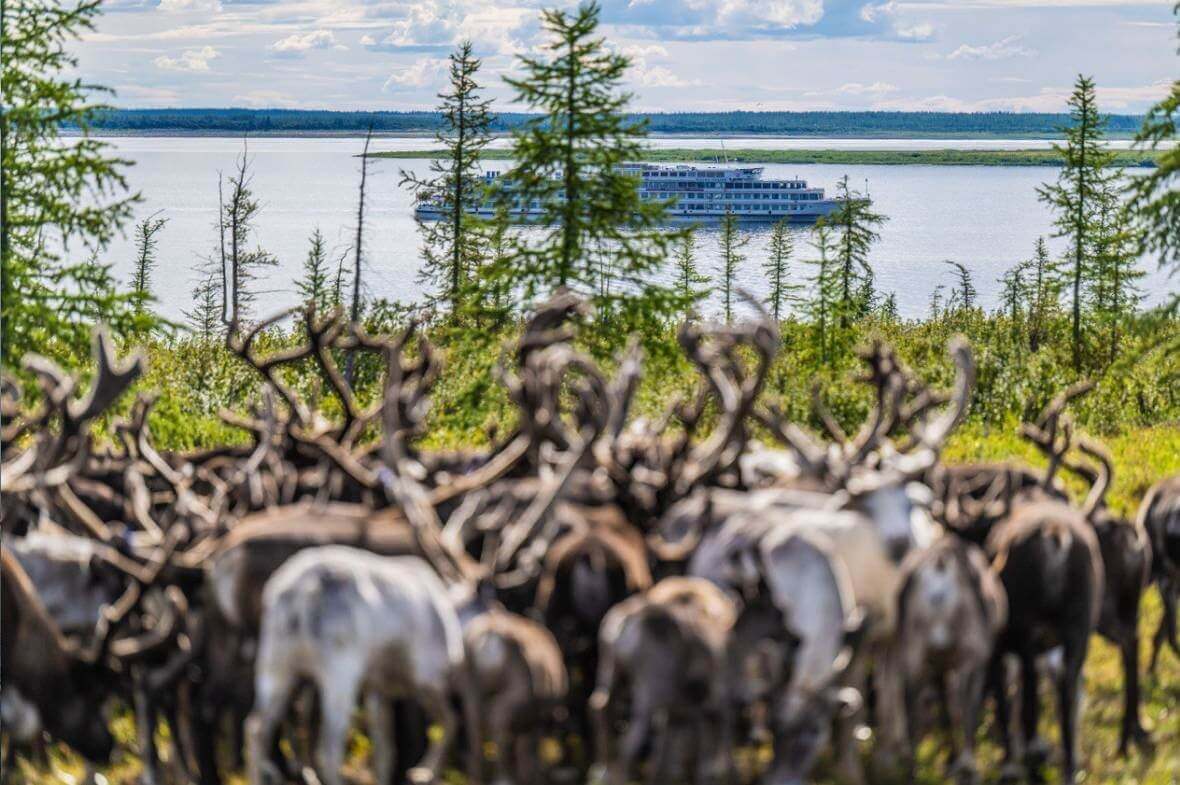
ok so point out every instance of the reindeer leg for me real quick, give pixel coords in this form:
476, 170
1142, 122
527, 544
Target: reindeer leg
633, 742
438, 707
145, 727
1068, 704
997, 676
273, 696
968, 696
337, 700
1133, 732
1035, 748
379, 713
1166, 632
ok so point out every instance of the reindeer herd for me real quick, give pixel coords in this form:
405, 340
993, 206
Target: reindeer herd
596, 594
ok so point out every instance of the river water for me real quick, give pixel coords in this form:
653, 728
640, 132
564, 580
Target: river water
987, 217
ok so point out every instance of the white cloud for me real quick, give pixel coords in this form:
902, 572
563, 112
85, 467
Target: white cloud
190, 5
421, 73
889, 13
441, 24
296, 44
1000, 50
190, 60
876, 88
660, 76
922, 31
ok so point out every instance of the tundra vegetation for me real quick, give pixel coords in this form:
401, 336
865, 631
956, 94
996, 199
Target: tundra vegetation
557, 510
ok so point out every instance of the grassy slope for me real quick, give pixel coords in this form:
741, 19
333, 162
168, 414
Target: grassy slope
1141, 457
849, 157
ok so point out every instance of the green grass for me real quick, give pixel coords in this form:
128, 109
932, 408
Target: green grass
1141, 457
841, 157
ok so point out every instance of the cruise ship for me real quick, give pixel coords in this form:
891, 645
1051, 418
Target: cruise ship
698, 193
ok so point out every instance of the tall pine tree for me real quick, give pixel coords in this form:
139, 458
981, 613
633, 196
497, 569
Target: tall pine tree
569, 165
732, 242
245, 265
1113, 295
1155, 196
1076, 196
855, 227
145, 259
781, 291
314, 286
688, 279
1043, 294
825, 287
452, 244
56, 193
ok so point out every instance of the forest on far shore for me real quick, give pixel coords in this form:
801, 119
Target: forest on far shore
848, 124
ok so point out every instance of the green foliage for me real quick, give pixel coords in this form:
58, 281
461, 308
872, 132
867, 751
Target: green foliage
963, 293
452, 245
1155, 197
857, 125
732, 242
688, 280
1077, 195
825, 287
314, 286
854, 225
782, 291
600, 238
205, 316
61, 200
1039, 157
238, 216
145, 259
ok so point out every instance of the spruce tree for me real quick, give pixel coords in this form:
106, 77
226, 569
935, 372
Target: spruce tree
145, 258
244, 265
688, 280
936, 309
569, 164
1075, 197
61, 199
1014, 292
1113, 295
889, 310
825, 287
314, 286
854, 225
451, 249
1154, 206
781, 290
963, 293
205, 315
1043, 296
732, 241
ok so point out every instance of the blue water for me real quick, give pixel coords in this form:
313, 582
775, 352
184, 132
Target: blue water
986, 217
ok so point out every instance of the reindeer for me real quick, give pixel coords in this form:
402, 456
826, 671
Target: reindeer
394, 629
1126, 560
663, 654
1159, 516
951, 608
1048, 557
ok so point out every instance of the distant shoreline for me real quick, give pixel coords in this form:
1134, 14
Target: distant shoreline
229, 121
1129, 158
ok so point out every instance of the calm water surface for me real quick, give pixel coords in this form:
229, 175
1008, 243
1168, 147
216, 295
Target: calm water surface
986, 217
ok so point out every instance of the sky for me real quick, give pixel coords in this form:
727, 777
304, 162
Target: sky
698, 55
